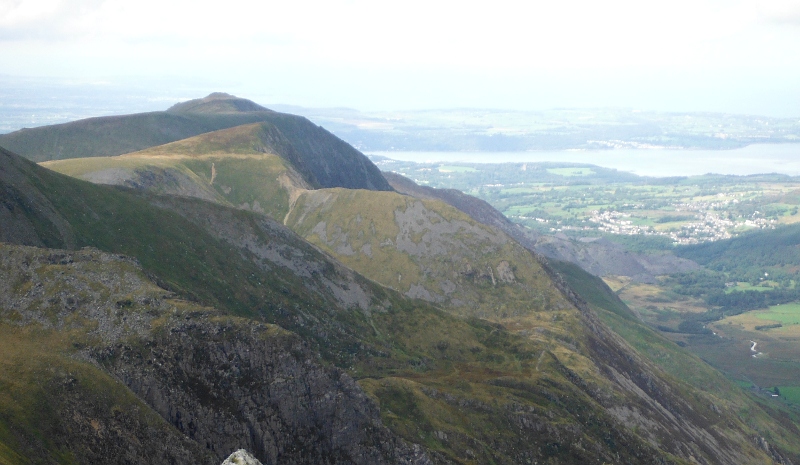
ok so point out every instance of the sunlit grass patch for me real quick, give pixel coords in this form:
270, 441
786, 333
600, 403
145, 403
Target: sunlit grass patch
787, 314
790, 393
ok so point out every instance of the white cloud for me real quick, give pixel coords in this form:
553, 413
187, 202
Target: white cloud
510, 34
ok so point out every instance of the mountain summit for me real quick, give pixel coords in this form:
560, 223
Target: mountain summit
217, 102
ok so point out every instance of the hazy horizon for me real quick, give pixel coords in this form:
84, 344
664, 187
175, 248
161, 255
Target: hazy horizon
37, 101
699, 56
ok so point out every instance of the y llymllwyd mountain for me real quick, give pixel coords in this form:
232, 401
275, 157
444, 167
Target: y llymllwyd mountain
564, 388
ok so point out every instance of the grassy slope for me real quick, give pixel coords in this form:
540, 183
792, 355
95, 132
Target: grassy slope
676, 361
436, 246
259, 172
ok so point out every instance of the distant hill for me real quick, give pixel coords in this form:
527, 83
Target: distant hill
326, 160
750, 255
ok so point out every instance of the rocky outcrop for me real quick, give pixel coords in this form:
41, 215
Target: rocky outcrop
225, 384
602, 257
218, 382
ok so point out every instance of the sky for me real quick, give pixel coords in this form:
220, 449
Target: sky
736, 56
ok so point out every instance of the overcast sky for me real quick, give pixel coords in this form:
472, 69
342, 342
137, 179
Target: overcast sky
677, 55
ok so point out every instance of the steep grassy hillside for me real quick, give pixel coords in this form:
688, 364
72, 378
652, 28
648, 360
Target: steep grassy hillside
426, 249
247, 180
676, 361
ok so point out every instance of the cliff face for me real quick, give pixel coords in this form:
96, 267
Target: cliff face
216, 383
227, 385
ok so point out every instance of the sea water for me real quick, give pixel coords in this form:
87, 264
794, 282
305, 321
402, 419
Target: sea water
753, 159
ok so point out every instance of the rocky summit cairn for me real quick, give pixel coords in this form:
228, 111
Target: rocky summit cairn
241, 457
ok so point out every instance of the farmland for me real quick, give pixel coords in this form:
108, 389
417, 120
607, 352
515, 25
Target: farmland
588, 200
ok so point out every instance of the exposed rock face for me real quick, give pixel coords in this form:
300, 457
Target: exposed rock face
505, 272
95, 432
602, 257
222, 382
226, 385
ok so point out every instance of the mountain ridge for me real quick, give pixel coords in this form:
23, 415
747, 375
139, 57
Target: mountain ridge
217, 102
